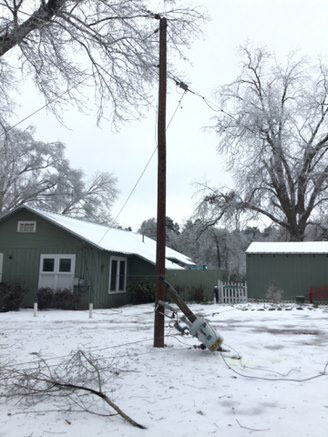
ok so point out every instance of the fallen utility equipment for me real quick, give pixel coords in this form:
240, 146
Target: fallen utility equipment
197, 326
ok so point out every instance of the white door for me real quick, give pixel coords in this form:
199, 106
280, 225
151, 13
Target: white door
1, 264
57, 271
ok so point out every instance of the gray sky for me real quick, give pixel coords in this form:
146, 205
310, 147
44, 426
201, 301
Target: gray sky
280, 25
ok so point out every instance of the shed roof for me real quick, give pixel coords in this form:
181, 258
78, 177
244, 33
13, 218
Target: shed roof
312, 247
111, 239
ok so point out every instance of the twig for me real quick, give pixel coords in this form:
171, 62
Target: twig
251, 429
16, 413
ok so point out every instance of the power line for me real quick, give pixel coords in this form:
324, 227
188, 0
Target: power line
44, 106
319, 375
92, 349
143, 171
177, 81
183, 85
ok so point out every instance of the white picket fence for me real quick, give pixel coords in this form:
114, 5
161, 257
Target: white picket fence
232, 292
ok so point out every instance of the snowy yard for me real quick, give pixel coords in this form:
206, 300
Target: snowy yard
180, 391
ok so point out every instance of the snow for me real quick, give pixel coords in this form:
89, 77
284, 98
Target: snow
113, 240
179, 390
311, 247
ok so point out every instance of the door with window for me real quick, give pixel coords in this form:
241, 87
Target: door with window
57, 271
117, 274
1, 264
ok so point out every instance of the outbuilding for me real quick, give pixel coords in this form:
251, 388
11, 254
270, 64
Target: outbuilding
40, 249
293, 267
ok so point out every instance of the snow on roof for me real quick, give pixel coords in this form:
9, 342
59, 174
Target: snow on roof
289, 247
113, 240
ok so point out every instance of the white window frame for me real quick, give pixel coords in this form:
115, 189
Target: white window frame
118, 259
57, 257
20, 224
1, 266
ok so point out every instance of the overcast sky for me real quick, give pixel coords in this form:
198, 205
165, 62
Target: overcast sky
280, 25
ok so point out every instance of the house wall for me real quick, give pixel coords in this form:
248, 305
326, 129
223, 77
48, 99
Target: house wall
295, 274
21, 261
138, 270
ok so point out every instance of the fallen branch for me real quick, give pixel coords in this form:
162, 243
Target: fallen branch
74, 380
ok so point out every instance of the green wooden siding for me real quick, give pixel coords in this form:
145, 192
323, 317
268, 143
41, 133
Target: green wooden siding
21, 261
295, 274
188, 281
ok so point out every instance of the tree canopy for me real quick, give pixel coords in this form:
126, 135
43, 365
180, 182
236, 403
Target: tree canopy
109, 44
273, 126
38, 174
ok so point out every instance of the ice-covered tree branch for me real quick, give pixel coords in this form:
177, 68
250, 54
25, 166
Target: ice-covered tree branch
108, 45
273, 128
77, 381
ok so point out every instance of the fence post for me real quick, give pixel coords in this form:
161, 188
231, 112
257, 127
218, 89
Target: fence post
220, 290
90, 310
35, 309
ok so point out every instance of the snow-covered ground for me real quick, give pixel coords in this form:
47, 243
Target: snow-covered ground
179, 390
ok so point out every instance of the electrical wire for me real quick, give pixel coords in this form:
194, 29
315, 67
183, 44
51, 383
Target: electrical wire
143, 172
50, 102
275, 379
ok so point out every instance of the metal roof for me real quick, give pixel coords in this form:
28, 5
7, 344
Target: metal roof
110, 239
290, 247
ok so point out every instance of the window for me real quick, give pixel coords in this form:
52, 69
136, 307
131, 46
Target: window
57, 271
26, 227
65, 265
48, 265
117, 274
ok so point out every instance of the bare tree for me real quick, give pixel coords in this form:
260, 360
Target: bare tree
37, 173
78, 382
110, 44
273, 126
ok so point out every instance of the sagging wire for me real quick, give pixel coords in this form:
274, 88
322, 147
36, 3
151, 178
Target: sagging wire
281, 379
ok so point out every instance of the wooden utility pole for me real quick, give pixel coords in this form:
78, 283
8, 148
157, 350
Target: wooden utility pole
161, 186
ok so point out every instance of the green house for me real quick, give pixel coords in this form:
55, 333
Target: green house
293, 267
40, 249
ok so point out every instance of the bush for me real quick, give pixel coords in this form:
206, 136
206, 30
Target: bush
142, 292
11, 296
44, 298
191, 294
65, 300
60, 299
197, 294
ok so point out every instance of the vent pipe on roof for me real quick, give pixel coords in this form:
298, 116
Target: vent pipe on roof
143, 238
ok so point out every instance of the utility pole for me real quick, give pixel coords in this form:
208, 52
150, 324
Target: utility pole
161, 187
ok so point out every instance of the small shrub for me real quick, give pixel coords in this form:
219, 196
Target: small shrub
11, 296
63, 299
142, 292
197, 294
274, 294
45, 298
